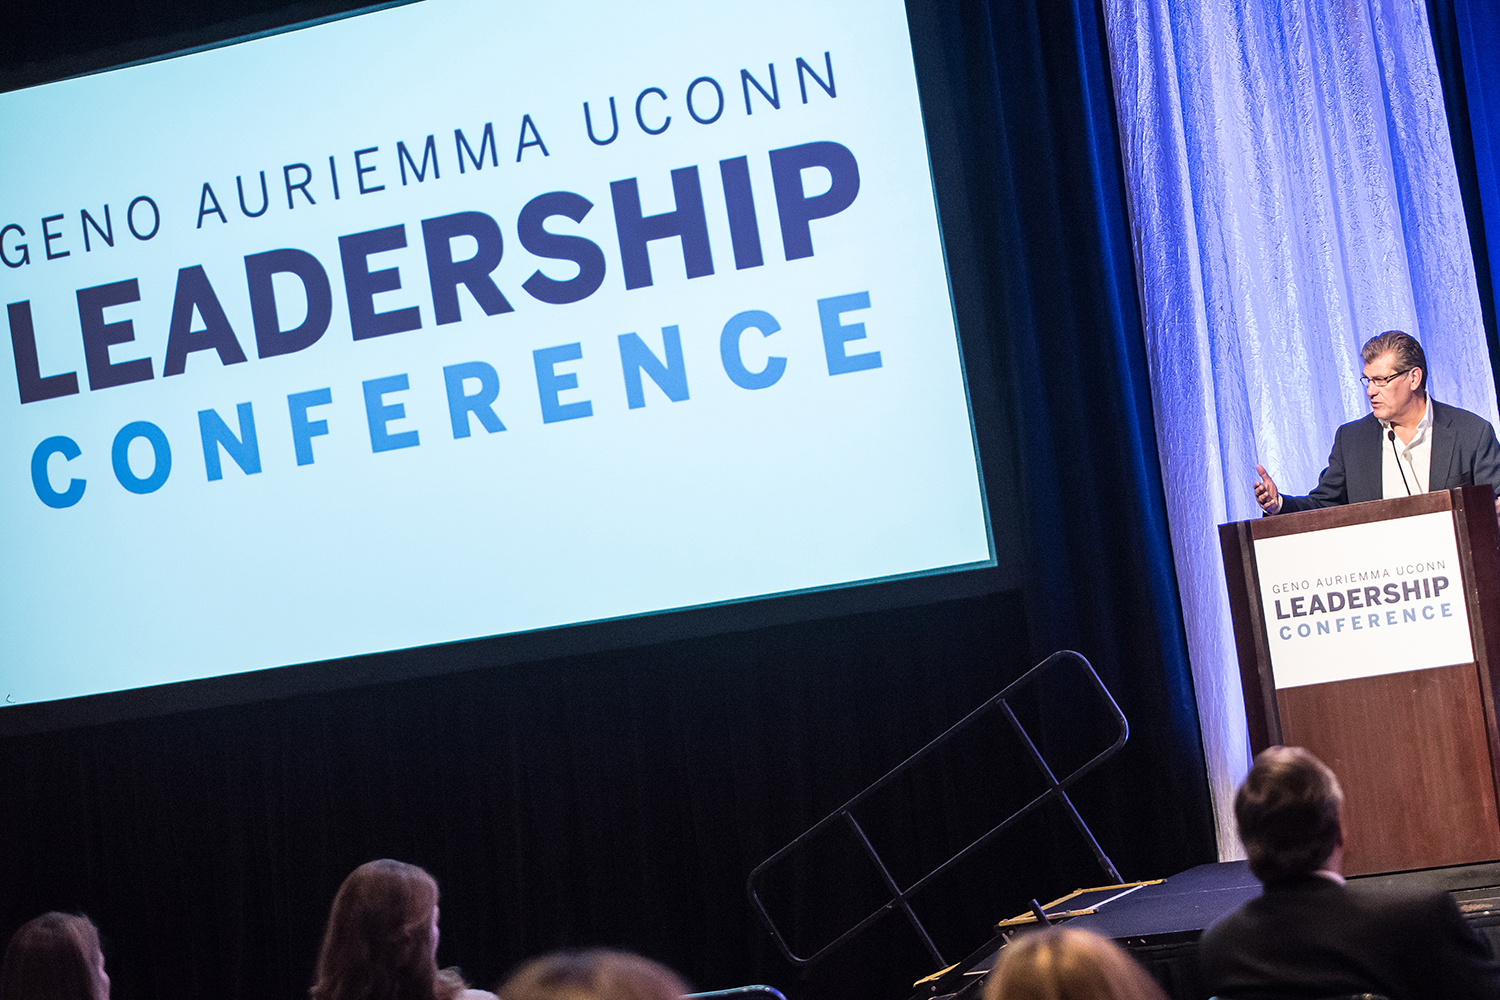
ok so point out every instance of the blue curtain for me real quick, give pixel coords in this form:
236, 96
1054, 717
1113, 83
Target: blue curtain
1292, 193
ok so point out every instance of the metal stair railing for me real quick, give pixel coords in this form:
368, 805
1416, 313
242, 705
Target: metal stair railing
1056, 790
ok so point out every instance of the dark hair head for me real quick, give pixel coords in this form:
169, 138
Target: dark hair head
379, 943
1060, 963
1288, 813
1408, 353
595, 974
54, 957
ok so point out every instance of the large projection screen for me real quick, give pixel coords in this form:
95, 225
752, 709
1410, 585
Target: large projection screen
459, 319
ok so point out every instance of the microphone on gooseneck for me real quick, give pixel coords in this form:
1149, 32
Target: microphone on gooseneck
1391, 434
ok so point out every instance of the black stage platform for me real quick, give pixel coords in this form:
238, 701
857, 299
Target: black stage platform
1160, 923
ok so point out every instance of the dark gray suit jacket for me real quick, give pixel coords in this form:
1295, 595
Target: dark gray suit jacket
1464, 453
1311, 937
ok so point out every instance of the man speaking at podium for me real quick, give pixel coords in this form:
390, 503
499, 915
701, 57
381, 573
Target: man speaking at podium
1409, 443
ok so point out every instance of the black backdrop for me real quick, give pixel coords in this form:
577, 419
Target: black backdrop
621, 797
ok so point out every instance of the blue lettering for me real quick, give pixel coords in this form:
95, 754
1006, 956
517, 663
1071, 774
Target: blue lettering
360, 170
739, 202
243, 449
1286, 632
550, 383
429, 152
99, 335
583, 252
120, 457
523, 143
195, 293
670, 376
69, 450
639, 119
734, 363
486, 141
29, 380
270, 339
361, 285
836, 335
445, 274
286, 176
794, 208
480, 404
379, 414
304, 430
687, 221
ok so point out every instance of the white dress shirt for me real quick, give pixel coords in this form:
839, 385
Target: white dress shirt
1413, 459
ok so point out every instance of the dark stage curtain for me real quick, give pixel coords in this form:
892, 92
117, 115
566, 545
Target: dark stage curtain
1466, 43
622, 798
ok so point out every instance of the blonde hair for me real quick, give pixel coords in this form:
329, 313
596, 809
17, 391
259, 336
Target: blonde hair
593, 974
1059, 963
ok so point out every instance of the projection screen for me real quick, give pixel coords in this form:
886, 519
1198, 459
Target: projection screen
459, 319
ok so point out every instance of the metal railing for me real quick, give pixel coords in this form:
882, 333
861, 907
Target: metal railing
1056, 791
739, 993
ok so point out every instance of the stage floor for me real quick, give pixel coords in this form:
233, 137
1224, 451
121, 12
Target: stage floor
1192, 900
1161, 923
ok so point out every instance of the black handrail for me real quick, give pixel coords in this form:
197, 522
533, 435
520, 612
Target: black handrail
1056, 790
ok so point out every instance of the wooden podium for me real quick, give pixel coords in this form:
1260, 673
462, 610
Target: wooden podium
1370, 634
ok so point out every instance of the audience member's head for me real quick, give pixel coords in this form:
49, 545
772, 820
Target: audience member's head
54, 957
1288, 814
1058, 963
382, 937
595, 974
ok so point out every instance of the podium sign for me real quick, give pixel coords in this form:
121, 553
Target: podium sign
1360, 600
1370, 634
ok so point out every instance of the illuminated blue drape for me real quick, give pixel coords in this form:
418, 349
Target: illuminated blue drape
1292, 193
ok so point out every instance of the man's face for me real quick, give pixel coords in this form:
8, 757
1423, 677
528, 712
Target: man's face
1397, 399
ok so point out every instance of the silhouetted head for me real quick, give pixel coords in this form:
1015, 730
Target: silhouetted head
1288, 814
381, 940
1059, 963
595, 974
54, 957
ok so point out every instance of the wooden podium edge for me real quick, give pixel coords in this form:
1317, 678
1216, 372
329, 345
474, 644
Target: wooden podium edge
1262, 717
1475, 524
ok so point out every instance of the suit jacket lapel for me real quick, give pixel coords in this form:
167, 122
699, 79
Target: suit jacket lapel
1365, 477
1440, 472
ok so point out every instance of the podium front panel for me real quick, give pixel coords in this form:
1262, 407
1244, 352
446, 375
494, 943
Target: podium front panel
1365, 635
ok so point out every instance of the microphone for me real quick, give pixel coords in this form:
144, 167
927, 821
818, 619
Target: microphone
1391, 435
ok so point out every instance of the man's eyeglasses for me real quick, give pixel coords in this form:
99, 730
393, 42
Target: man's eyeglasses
1381, 381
